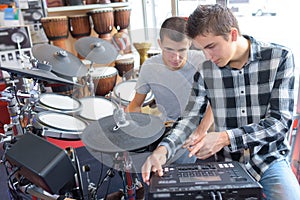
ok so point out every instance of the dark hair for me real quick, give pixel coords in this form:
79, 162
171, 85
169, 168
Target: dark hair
214, 19
174, 28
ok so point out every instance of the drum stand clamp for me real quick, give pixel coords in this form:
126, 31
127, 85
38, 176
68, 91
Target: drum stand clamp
11, 96
90, 82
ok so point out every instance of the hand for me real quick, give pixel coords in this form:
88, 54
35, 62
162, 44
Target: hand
154, 163
210, 144
194, 138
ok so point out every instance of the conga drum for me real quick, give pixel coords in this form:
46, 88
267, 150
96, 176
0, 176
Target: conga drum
103, 20
56, 30
125, 66
122, 18
79, 26
104, 79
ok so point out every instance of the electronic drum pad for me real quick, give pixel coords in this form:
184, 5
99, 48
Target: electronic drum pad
105, 140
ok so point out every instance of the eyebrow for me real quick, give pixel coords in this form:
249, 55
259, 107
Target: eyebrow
209, 45
182, 49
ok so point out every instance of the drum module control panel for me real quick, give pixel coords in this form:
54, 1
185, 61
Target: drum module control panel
209, 181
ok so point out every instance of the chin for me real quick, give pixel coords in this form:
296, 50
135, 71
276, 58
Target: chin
175, 67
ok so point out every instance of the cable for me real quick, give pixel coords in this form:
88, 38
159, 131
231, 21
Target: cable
212, 194
219, 195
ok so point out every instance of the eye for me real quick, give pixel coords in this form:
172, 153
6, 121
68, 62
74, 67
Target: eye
182, 50
168, 49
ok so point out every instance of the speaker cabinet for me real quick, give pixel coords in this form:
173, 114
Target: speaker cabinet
42, 163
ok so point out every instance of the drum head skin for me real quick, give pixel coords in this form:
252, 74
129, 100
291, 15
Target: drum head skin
61, 121
94, 108
59, 102
126, 91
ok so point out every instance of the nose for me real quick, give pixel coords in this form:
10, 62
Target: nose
176, 55
207, 55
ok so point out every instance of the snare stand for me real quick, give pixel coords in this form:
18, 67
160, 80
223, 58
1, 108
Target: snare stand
123, 163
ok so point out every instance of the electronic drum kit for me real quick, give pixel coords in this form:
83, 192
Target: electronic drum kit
99, 122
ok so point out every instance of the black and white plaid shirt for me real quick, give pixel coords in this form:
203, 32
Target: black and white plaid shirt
254, 105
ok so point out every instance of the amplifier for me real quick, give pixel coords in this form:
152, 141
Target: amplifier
42, 163
212, 180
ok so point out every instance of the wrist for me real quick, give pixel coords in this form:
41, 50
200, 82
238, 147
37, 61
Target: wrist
162, 150
226, 138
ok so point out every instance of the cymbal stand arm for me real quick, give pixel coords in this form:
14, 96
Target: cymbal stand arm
22, 59
90, 80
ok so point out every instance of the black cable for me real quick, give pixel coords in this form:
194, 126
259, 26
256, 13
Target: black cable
97, 185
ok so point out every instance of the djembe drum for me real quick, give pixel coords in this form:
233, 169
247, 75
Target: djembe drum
122, 18
79, 26
104, 79
56, 30
103, 20
125, 66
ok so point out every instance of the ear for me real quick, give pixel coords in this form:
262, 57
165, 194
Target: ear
190, 43
234, 34
159, 43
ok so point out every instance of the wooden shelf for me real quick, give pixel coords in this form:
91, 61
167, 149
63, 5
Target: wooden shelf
71, 10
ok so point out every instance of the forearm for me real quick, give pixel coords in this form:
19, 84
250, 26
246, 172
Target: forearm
206, 122
132, 107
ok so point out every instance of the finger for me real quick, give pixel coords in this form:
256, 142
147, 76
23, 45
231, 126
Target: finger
189, 142
186, 145
146, 168
157, 167
195, 149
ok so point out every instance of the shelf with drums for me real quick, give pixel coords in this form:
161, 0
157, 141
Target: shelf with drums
79, 9
64, 25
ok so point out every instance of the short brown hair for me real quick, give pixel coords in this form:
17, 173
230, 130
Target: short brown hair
214, 19
174, 28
